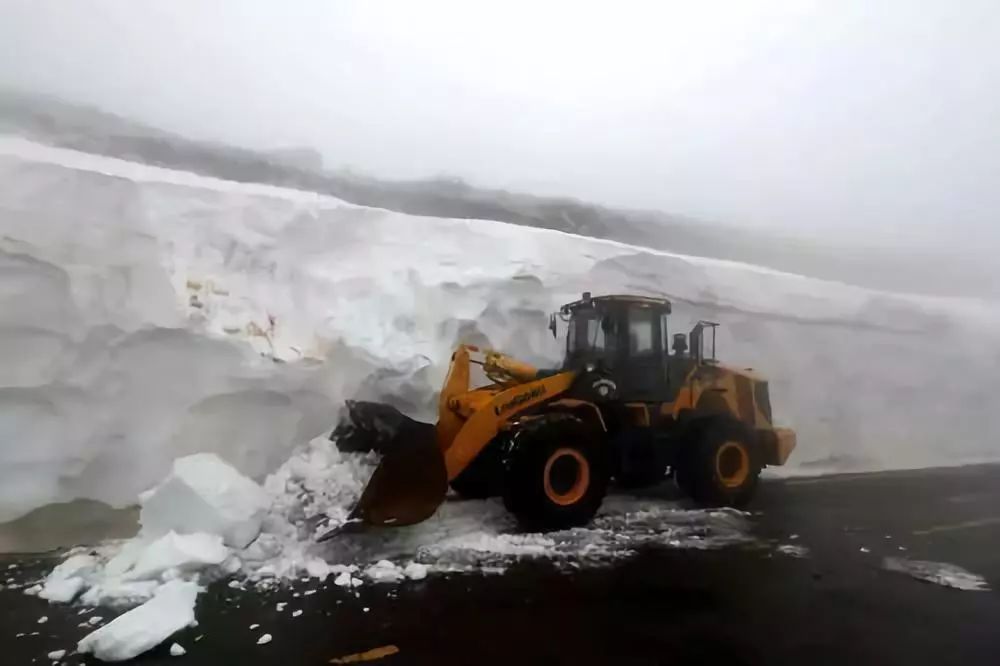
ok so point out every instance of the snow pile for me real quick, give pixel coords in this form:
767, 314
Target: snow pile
311, 491
939, 573
148, 314
129, 635
204, 517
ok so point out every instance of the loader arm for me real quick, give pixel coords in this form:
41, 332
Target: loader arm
469, 419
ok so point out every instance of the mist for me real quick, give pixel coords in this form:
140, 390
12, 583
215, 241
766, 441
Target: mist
831, 121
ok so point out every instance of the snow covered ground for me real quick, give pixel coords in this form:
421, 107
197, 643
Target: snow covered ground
147, 314
205, 522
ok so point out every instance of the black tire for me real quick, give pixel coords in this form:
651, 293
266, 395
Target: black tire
483, 477
557, 474
718, 465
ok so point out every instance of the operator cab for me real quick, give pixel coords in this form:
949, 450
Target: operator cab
627, 338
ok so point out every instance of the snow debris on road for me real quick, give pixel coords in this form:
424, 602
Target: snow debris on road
939, 573
144, 627
254, 626
56, 655
313, 490
43, 619
177, 650
793, 550
319, 485
264, 639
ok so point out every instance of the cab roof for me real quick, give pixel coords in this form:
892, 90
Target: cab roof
590, 301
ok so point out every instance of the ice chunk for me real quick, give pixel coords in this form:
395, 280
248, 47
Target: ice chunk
176, 650
142, 628
384, 571
126, 557
114, 591
183, 552
415, 571
66, 580
56, 655
61, 590
317, 568
264, 639
205, 494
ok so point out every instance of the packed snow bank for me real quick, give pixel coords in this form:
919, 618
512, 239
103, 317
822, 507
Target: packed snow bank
146, 314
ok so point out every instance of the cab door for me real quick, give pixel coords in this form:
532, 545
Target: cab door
641, 373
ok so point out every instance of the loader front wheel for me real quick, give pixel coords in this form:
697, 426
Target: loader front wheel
557, 475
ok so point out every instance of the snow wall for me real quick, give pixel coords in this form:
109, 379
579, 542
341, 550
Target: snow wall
147, 314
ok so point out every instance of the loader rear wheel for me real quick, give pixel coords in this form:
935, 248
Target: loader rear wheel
719, 466
557, 475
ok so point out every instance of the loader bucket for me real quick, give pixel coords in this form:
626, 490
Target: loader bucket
410, 481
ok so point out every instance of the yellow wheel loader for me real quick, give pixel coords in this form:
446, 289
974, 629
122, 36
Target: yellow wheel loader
620, 410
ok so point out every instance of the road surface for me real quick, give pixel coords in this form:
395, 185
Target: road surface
741, 605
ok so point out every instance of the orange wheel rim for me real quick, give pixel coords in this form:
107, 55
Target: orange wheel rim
732, 464
562, 463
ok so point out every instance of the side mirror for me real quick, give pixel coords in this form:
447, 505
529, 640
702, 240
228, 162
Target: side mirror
552, 325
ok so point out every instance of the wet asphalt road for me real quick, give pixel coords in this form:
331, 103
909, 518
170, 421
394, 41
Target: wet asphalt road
746, 605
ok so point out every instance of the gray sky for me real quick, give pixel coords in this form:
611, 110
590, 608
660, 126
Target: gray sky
830, 119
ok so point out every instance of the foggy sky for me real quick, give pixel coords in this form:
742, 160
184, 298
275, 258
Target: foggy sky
865, 119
